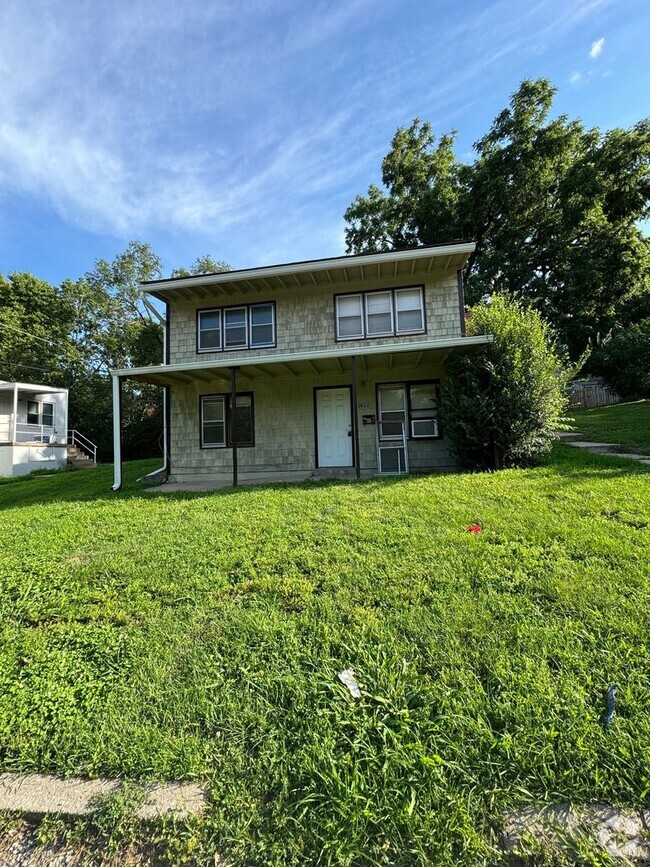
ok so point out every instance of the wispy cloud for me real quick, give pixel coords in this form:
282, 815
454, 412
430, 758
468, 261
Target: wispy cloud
596, 48
218, 118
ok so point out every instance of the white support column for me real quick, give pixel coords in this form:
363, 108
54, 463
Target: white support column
117, 433
15, 420
66, 417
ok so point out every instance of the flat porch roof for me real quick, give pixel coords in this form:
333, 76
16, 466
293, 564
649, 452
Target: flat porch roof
338, 360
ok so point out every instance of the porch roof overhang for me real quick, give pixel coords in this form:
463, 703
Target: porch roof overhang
31, 388
328, 361
415, 265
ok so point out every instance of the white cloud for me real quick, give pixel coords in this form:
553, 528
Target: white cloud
596, 48
214, 117
576, 78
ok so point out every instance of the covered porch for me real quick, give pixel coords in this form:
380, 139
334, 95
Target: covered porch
33, 413
328, 414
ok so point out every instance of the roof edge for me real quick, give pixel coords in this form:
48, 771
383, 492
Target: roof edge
313, 265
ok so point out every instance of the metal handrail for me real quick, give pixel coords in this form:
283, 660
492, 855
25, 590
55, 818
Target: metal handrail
78, 439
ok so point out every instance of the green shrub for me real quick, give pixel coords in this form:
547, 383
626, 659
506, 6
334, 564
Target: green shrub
623, 361
501, 404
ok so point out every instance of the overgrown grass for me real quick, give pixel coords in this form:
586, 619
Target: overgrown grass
625, 424
200, 636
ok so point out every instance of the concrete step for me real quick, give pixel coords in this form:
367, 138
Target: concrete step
335, 473
592, 447
568, 436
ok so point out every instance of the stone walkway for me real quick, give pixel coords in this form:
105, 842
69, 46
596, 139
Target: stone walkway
622, 833
609, 449
39, 794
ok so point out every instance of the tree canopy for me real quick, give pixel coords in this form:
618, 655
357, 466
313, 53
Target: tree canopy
554, 209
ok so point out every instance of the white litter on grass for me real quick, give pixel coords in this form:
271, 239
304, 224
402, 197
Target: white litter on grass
348, 679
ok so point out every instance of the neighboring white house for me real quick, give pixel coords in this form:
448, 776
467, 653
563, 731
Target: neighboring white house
33, 427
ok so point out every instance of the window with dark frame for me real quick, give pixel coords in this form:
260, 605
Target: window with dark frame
380, 313
409, 406
249, 326
40, 413
215, 420
33, 412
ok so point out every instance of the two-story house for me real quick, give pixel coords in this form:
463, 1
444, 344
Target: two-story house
329, 367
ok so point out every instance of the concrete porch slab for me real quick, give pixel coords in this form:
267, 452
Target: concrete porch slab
189, 487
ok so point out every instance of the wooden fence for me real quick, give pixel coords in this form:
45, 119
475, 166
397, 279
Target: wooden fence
584, 395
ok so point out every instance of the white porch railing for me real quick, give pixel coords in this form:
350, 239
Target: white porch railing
81, 442
392, 450
37, 433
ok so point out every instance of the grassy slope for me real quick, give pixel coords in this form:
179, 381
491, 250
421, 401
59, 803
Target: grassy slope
201, 636
627, 424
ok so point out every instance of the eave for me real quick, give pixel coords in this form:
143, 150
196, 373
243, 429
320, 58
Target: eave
415, 265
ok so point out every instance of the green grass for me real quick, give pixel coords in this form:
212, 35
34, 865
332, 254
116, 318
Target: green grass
625, 424
200, 636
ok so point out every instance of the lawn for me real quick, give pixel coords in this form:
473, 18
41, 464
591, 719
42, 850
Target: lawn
200, 636
625, 424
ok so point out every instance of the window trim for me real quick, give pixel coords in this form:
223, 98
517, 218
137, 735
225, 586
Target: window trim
222, 327
407, 383
226, 396
39, 413
271, 345
391, 310
364, 313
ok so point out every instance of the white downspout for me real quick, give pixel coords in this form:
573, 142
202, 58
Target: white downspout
15, 419
117, 434
149, 306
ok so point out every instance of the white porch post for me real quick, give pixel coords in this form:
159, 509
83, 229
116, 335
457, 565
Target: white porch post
117, 432
15, 419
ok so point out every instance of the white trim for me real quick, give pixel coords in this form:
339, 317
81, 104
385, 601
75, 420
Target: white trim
200, 330
423, 310
349, 295
223, 311
391, 332
272, 343
222, 399
31, 387
15, 436
336, 263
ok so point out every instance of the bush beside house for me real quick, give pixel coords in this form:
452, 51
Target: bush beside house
501, 405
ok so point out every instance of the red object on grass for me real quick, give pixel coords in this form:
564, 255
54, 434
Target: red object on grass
474, 528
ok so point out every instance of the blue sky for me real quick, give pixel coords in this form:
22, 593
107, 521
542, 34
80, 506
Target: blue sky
244, 128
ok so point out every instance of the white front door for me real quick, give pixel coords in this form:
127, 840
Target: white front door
334, 427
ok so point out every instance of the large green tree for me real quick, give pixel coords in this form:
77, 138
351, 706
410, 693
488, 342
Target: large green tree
554, 209
35, 322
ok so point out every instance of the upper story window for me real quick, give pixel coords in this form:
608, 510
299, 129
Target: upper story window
380, 313
250, 326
